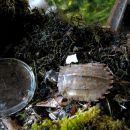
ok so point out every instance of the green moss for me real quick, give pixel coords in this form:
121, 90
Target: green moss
106, 122
91, 10
76, 123
90, 118
46, 124
80, 120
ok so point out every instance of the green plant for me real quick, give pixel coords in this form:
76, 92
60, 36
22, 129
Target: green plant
90, 10
90, 118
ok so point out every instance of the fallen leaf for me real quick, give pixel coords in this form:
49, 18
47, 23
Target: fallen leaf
49, 103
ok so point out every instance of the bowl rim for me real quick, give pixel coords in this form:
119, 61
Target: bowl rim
30, 93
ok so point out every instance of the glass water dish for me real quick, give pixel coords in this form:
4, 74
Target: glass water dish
17, 85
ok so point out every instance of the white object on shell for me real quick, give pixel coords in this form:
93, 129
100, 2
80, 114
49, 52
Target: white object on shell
71, 59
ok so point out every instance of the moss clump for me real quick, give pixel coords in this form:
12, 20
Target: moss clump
83, 120
76, 123
106, 122
80, 120
46, 124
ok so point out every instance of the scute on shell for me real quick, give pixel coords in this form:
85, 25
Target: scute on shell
84, 82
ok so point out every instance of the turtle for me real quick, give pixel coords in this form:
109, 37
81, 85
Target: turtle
85, 82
